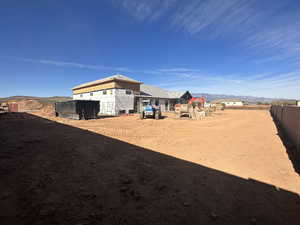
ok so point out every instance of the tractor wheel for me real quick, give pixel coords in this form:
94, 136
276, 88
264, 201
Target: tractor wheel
82, 116
142, 115
157, 117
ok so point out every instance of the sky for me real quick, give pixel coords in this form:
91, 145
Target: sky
239, 47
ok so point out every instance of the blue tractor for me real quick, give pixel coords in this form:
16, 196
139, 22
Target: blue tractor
151, 111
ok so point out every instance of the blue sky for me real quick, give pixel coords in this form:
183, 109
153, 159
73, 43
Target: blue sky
241, 47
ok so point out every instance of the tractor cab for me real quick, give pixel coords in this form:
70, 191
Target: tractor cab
150, 111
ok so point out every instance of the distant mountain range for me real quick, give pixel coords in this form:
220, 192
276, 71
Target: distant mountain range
208, 97
44, 100
248, 99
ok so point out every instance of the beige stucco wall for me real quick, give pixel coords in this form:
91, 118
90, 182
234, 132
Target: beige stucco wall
96, 87
128, 85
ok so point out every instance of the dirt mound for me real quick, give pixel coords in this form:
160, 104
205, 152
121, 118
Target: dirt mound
27, 105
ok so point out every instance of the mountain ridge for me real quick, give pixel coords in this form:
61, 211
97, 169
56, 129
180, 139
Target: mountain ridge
42, 99
245, 98
208, 97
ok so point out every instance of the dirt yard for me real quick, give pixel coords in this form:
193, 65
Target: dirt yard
231, 168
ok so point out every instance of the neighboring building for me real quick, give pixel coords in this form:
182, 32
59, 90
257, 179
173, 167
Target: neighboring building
228, 102
119, 94
207, 105
298, 103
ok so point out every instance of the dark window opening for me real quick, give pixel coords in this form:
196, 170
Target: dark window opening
122, 112
128, 92
91, 94
81, 95
145, 103
104, 92
156, 102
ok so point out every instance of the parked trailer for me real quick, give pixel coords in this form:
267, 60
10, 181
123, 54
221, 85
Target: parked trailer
77, 109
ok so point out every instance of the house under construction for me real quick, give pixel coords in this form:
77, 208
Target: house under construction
119, 94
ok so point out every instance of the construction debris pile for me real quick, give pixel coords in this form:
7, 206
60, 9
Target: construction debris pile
194, 109
48, 110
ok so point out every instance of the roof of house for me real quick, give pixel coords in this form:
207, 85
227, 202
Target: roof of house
107, 79
157, 92
226, 100
153, 91
176, 94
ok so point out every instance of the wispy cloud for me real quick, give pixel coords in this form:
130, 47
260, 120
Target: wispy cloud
65, 64
265, 27
181, 70
68, 64
264, 84
267, 84
213, 16
144, 9
217, 16
283, 42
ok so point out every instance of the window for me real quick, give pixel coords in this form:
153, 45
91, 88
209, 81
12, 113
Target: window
91, 94
104, 92
145, 102
156, 102
128, 92
81, 96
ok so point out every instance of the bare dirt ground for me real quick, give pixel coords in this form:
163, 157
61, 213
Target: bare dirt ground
227, 169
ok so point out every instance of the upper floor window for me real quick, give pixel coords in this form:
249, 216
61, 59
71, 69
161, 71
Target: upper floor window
81, 96
104, 92
91, 94
128, 92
